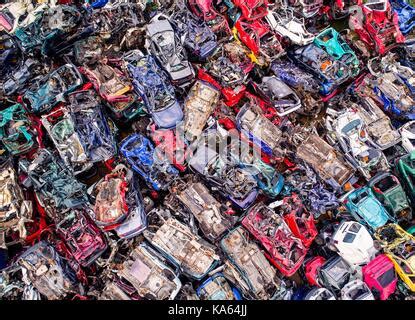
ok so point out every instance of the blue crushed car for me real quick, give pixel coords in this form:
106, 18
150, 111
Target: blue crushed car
96, 132
217, 287
294, 76
406, 15
396, 101
223, 172
9, 54
96, 4
153, 86
329, 71
141, 155
199, 39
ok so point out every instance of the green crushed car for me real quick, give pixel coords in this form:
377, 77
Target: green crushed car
389, 191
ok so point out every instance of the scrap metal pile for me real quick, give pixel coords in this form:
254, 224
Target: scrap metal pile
207, 149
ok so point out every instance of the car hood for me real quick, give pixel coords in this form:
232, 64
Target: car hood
397, 199
168, 117
373, 213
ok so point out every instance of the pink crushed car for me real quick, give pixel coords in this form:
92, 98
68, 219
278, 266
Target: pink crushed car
380, 276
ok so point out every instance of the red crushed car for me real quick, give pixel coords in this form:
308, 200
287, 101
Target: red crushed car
377, 25
230, 95
205, 10
252, 9
257, 36
283, 249
171, 145
300, 221
82, 237
312, 268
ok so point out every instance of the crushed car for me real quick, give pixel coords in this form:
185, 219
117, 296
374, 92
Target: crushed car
247, 266
148, 272
195, 258
196, 150
348, 131
283, 249
140, 153
164, 43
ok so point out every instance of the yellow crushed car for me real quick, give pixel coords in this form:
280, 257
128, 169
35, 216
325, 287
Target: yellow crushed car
399, 246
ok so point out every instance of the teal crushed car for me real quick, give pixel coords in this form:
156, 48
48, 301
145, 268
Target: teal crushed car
45, 93
366, 209
330, 41
405, 167
17, 131
269, 180
411, 230
389, 191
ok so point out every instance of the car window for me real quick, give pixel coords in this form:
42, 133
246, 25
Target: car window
352, 125
326, 37
337, 271
387, 277
386, 184
360, 197
377, 6
357, 293
349, 237
355, 227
